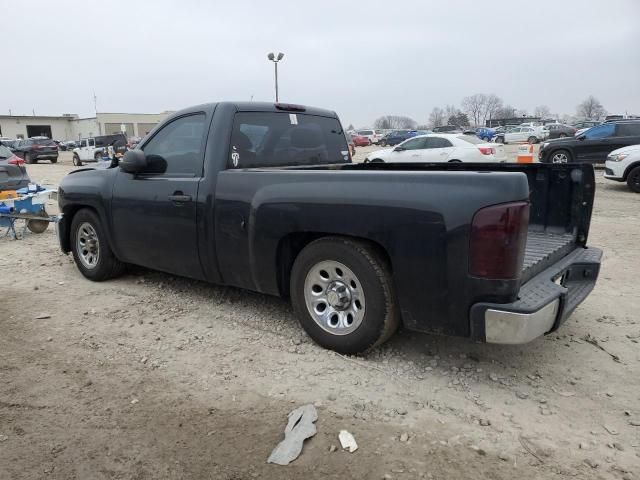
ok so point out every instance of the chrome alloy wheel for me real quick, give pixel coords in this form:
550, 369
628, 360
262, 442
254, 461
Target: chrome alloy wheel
559, 158
88, 245
334, 297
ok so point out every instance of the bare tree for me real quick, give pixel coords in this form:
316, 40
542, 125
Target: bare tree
394, 121
491, 105
436, 117
474, 107
350, 127
542, 111
450, 111
506, 111
591, 109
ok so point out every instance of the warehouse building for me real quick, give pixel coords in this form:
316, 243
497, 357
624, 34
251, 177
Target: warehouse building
71, 127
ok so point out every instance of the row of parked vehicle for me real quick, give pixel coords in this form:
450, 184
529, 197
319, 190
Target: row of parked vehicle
615, 142
33, 149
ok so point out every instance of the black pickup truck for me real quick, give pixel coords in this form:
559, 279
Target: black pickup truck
265, 197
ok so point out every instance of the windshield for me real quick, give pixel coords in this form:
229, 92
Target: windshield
5, 152
470, 139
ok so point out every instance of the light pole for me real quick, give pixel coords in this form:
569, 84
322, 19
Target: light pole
275, 59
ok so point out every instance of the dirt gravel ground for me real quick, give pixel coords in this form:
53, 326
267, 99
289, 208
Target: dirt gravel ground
152, 376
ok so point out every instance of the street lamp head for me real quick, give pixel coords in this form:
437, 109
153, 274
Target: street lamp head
280, 55
271, 56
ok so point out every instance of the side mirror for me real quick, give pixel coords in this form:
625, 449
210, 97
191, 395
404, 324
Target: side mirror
581, 137
134, 161
399, 149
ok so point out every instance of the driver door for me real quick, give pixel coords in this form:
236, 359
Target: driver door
154, 220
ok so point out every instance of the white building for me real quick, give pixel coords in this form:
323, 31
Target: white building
70, 127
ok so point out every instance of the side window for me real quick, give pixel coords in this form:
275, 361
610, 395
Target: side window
414, 144
602, 131
628, 129
83, 143
437, 142
178, 147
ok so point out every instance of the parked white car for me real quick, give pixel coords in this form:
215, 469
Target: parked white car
523, 134
623, 165
373, 135
441, 148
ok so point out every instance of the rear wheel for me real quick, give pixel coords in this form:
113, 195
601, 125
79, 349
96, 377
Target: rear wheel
532, 140
98, 156
54, 160
633, 180
38, 226
383, 143
90, 248
28, 158
342, 294
377, 160
455, 161
500, 140
561, 156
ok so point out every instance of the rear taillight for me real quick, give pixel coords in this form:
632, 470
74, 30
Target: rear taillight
487, 150
15, 161
35, 146
498, 240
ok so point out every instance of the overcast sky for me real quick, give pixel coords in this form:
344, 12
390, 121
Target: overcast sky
362, 59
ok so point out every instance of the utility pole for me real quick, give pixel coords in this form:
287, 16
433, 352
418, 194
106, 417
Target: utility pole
275, 59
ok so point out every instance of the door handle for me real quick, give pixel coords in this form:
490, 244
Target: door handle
178, 197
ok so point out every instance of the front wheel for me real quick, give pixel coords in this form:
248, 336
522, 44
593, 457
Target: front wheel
633, 180
28, 158
76, 161
383, 143
342, 294
500, 140
90, 248
532, 140
561, 156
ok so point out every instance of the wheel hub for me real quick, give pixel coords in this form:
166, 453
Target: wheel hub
338, 295
334, 297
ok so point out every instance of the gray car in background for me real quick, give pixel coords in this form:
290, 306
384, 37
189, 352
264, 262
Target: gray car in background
13, 174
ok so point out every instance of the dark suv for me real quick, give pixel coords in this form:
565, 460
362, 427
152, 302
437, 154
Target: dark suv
592, 146
36, 148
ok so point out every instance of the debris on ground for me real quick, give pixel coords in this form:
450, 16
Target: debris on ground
347, 441
594, 341
43, 316
300, 426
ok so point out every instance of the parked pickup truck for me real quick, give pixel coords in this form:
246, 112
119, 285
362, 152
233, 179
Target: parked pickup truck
264, 197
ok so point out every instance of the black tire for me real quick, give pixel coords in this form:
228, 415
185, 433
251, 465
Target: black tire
27, 158
97, 156
381, 316
531, 140
377, 160
633, 180
562, 135
107, 265
455, 161
383, 143
500, 140
54, 160
76, 160
560, 156
38, 226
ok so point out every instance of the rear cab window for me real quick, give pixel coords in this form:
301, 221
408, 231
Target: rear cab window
43, 141
278, 139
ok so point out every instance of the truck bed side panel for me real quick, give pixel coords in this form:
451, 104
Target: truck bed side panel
421, 220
